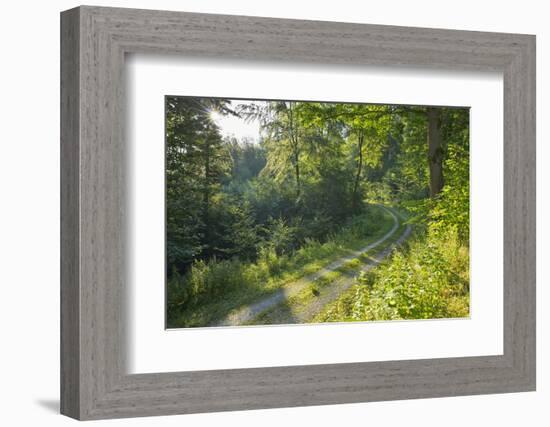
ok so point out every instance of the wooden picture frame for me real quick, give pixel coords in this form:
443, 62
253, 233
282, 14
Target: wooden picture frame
94, 382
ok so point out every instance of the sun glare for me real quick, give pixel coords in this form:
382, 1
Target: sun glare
237, 127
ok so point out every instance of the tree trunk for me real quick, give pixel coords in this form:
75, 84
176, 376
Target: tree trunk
435, 150
355, 202
297, 173
292, 133
206, 197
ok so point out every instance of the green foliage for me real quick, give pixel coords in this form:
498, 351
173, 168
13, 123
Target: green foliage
248, 160
279, 237
217, 279
196, 161
429, 280
451, 209
243, 215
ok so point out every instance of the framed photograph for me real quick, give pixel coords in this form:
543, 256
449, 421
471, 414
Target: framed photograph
261, 213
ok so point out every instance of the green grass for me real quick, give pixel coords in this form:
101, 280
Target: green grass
210, 291
292, 309
428, 279
296, 307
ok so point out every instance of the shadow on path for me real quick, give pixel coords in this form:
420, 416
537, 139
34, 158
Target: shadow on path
247, 314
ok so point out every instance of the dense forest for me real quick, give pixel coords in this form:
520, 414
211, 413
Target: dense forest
331, 212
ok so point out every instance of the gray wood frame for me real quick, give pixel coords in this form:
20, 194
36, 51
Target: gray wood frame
94, 382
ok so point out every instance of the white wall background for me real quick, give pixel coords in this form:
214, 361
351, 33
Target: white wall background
29, 212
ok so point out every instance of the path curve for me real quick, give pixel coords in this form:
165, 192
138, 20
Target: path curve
247, 313
336, 288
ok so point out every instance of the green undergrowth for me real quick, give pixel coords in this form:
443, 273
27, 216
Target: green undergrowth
297, 308
211, 290
427, 279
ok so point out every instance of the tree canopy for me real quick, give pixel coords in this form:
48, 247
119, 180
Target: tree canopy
313, 168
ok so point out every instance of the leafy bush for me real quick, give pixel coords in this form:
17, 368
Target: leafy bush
429, 280
450, 209
452, 206
276, 262
279, 236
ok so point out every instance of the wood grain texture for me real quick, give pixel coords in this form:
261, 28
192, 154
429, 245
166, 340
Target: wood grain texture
94, 272
70, 314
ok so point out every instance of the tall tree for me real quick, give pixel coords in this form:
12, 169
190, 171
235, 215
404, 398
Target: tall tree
196, 162
293, 131
435, 150
368, 127
281, 123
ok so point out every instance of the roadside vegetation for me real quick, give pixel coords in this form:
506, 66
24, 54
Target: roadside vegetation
211, 290
427, 279
247, 219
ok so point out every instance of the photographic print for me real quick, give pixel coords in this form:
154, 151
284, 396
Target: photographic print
294, 212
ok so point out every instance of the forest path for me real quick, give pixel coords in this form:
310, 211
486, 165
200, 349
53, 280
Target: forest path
330, 292
306, 312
